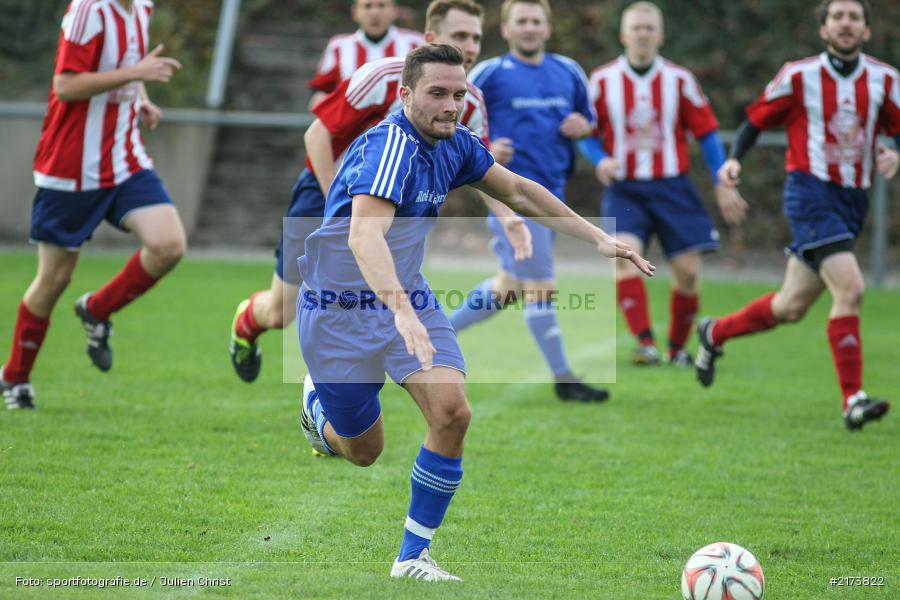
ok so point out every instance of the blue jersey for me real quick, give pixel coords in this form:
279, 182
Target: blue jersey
394, 162
527, 103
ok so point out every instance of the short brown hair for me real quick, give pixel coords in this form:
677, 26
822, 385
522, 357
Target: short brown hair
430, 53
438, 10
507, 6
822, 10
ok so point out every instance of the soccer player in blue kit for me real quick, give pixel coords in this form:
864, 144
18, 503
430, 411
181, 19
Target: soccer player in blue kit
365, 308
539, 105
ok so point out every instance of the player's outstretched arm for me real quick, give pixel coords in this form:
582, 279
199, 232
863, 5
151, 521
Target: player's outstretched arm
318, 147
69, 86
533, 200
372, 217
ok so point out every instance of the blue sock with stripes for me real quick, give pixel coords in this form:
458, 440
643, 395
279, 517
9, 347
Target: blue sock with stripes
319, 414
480, 304
434, 480
541, 318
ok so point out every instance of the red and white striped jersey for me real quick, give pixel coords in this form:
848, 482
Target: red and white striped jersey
642, 119
95, 143
372, 93
348, 52
832, 121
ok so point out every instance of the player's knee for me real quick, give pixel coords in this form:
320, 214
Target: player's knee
55, 282
454, 419
168, 250
794, 311
851, 296
365, 456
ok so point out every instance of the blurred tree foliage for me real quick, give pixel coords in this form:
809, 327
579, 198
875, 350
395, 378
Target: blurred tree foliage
734, 48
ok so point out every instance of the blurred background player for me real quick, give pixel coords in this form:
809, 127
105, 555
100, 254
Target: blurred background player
538, 104
376, 38
91, 165
357, 104
372, 243
834, 105
645, 106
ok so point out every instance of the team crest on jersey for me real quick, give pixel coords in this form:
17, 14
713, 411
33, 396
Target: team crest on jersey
846, 126
645, 132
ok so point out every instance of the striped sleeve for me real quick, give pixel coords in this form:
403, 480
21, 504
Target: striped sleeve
82, 38
385, 162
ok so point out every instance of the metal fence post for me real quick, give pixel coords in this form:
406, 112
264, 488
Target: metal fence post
879, 230
221, 63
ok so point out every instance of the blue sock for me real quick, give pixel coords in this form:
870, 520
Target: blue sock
434, 481
319, 414
541, 318
480, 304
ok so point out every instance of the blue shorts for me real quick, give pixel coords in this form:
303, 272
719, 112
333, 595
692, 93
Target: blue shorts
537, 268
670, 208
821, 213
349, 350
68, 219
304, 216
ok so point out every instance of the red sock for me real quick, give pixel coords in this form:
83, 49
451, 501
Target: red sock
128, 284
756, 316
27, 339
634, 305
846, 348
246, 326
683, 309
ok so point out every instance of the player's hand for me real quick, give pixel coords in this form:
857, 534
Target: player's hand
502, 149
731, 204
150, 114
575, 127
414, 334
518, 235
730, 173
154, 67
887, 161
607, 171
615, 248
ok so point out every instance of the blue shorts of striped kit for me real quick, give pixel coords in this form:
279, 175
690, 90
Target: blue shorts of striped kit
304, 215
348, 349
68, 219
669, 208
823, 216
537, 268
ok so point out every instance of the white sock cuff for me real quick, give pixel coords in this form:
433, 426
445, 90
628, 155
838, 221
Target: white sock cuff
419, 529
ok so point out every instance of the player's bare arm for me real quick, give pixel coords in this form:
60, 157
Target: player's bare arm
69, 86
887, 161
731, 204
151, 114
533, 200
318, 147
607, 171
502, 149
371, 219
575, 126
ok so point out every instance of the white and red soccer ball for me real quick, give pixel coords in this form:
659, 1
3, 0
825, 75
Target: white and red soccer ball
722, 571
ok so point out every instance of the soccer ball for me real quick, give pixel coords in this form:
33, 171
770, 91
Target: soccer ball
722, 571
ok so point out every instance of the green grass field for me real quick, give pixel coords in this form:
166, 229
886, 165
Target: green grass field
168, 466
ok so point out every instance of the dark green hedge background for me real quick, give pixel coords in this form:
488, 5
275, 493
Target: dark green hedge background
734, 48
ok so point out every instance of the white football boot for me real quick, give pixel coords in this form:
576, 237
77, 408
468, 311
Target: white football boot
423, 568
